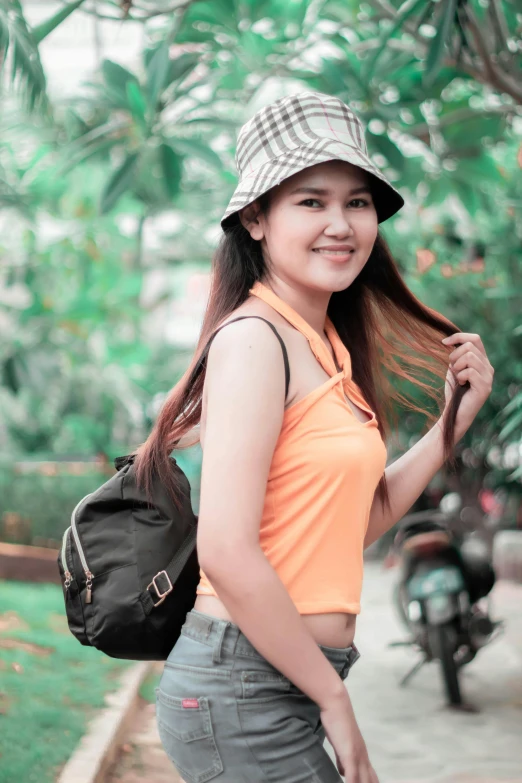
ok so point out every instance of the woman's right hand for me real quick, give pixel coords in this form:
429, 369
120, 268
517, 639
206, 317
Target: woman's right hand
343, 734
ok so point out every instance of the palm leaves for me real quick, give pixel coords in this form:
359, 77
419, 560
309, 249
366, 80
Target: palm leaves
20, 62
133, 125
19, 55
468, 34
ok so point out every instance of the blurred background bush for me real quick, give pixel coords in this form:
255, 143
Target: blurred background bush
117, 137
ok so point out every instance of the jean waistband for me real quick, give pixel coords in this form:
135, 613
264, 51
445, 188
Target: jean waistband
226, 638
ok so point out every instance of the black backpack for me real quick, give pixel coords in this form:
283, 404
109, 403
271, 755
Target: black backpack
130, 570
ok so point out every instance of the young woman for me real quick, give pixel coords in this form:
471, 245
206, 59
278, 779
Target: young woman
291, 413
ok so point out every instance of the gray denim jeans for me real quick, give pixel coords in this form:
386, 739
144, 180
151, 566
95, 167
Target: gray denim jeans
225, 713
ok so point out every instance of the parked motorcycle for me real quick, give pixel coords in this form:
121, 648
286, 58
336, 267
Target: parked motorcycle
441, 582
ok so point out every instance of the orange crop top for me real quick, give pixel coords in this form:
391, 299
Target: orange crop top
325, 469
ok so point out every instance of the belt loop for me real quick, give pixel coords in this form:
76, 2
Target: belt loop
352, 657
216, 652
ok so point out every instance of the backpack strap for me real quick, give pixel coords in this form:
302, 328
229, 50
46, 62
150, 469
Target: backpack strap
241, 318
165, 581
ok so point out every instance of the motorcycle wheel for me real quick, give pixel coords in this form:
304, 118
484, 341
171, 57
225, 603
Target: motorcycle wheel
400, 596
441, 641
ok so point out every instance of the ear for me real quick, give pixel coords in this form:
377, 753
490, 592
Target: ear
249, 217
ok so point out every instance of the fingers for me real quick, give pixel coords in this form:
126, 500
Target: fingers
351, 774
468, 359
374, 778
463, 337
365, 772
358, 772
476, 379
468, 347
473, 368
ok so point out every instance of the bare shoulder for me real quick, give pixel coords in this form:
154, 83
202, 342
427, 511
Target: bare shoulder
249, 334
241, 347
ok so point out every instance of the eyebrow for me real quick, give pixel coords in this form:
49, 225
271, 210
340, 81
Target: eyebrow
326, 192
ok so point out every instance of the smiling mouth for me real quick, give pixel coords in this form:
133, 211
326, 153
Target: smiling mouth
333, 252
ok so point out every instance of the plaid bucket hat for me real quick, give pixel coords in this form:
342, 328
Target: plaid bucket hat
293, 133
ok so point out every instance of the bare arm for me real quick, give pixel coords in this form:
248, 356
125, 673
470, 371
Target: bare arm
406, 479
245, 399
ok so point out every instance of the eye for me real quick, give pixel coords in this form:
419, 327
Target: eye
363, 201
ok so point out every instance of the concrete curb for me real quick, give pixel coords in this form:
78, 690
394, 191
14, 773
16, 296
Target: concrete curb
98, 748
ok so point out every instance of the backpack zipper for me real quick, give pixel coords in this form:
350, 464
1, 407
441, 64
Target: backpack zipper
68, 573
88, 575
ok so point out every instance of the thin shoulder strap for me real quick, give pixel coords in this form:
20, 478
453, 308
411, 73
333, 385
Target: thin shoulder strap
271, 325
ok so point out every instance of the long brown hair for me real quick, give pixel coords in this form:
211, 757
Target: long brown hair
386, 329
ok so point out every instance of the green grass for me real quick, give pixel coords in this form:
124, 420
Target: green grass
45, 700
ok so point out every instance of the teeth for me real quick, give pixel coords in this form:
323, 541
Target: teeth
333, 252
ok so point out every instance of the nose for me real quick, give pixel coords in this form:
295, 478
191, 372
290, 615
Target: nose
338, 223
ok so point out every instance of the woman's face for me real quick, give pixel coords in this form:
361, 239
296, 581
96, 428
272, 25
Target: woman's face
299, 223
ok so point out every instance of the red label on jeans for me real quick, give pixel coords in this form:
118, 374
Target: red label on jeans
190, 703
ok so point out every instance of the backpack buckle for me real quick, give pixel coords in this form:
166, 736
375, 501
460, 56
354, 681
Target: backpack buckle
160, 595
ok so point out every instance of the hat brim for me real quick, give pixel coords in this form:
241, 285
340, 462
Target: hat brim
253, 184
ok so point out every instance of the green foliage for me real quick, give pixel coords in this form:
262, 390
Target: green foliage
437, 49
158, 73
81, 371
36, 508
43, 503
24, 64
19, 43
171, 170
49, 691
42, 30
119, 182
140, 139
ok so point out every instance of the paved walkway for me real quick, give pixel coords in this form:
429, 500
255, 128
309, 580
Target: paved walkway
411, 736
